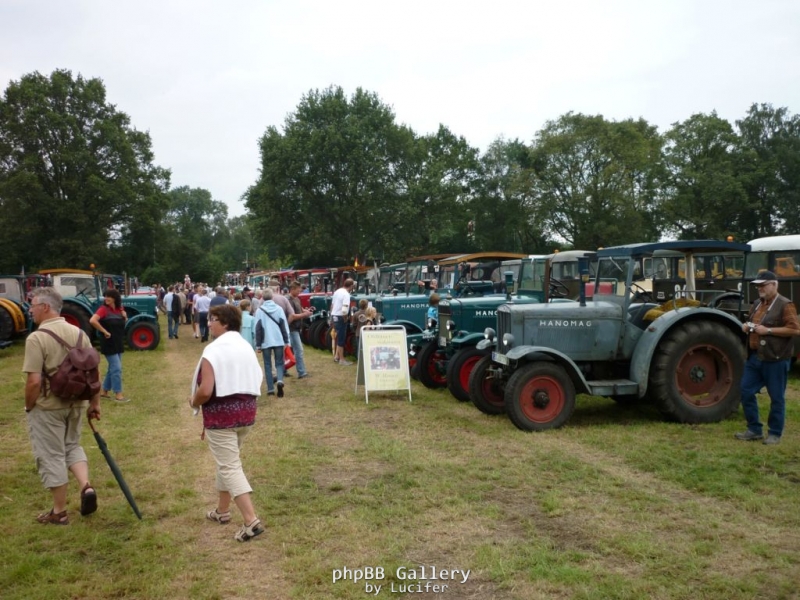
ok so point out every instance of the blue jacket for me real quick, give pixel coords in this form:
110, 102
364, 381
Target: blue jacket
270, 334
249, 329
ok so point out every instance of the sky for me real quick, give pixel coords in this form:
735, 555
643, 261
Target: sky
206, 78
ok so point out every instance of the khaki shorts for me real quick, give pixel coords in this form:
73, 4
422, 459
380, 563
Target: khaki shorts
55, 437
224, 445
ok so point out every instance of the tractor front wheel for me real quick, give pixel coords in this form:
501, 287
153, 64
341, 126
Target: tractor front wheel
459, 368
486, 390
432, 362
539, 396
143, 336
6, 325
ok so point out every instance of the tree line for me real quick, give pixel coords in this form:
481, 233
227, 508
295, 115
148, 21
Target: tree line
341, 179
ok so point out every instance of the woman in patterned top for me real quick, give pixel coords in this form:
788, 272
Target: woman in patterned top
226, 383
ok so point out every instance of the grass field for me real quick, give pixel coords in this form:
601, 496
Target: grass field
617, 504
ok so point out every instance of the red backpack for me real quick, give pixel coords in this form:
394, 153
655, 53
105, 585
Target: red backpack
78, 375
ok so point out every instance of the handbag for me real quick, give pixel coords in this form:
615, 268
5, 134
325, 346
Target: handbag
288, 358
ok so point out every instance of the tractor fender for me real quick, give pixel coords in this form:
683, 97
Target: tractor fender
525, 354
409, 326
648, 342
485, 344
467, 339
138, 319
16, 313
81, 303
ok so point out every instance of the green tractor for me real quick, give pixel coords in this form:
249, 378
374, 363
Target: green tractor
684, 355
452, 353
83, 295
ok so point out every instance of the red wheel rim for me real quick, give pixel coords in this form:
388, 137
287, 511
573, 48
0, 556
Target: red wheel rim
542, 399
71, 320
437, 367
466, 369
703, 376
491, 392
142, 337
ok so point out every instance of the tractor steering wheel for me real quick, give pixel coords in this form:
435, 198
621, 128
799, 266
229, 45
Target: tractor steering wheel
641, 294
558, 289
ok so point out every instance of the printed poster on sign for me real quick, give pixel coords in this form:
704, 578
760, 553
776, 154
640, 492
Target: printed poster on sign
383, 360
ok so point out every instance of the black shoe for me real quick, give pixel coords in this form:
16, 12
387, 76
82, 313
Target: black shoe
280, 389
270, 393
287, 374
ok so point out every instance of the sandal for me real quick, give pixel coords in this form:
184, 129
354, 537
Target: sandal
88, 500
105, 395
248, 532
223, 518
51, 518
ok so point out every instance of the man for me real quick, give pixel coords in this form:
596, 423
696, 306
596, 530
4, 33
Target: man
172, 304
272, 334
281, 300
54, 425
296, 325
771, 325
340, 309
202, 303
220, 296
257, 300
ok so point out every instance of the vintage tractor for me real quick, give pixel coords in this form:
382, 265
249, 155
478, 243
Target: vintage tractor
684, 355
448, 359
15, 318
83, 295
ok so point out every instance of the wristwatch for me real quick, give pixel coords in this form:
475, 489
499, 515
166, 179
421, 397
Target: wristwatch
769, 331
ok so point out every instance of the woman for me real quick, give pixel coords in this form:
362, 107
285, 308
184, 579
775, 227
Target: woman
226, 383
248, 323
110, 320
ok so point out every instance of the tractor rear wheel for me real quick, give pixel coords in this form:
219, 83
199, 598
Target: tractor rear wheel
432, 362
539, 396
143, 335
485, 390
6, 325
459, 368
695, 373
75, 315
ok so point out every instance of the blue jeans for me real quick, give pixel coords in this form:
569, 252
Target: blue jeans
268, 352
172, 325
113, 379
772, 375
297, 348
202, 324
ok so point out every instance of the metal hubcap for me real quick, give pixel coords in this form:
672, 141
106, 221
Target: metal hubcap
541, 399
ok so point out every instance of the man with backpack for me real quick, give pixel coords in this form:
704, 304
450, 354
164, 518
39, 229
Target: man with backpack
60, 384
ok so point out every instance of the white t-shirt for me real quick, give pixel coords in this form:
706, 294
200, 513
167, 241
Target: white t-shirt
340, 303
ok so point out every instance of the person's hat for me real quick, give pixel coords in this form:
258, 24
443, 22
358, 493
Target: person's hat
765, 277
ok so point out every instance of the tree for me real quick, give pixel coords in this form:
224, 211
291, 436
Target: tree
74, 174
704, 196
344, 180
770, 171
596, 181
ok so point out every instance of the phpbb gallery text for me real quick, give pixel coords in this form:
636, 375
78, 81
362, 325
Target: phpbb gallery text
426, 578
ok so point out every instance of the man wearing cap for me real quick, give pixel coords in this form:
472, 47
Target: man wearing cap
771, 325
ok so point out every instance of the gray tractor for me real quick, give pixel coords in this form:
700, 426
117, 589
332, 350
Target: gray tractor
683, 355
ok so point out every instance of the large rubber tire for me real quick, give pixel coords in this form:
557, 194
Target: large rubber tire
432, 366
75, 315
486, 393
6, 325
319, 335
143, 335
540, 396
312, 333
695, 373
459, 368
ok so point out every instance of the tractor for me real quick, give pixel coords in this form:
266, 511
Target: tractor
684, 355
83, 295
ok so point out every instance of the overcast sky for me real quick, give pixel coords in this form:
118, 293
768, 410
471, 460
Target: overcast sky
206, 78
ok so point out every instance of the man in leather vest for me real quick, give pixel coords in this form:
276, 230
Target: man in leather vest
771, 325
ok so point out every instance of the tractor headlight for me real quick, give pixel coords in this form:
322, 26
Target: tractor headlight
432, 323
451, 326
489, 334
508, 340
